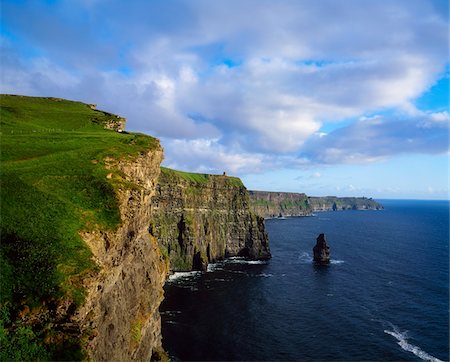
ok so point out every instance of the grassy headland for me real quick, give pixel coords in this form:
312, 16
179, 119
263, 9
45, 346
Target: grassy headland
198, 178
54, 184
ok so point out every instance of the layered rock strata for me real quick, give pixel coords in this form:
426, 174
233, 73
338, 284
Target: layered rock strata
198, 221
121, 308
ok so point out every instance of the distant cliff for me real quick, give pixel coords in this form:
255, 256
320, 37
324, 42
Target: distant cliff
199, 218
274, 204
333, 203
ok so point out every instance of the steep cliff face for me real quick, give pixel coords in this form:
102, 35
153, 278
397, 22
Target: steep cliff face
121, 308
274, 204
202, 218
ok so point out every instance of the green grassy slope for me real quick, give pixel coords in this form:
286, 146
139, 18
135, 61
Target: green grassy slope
199, 178
53, 185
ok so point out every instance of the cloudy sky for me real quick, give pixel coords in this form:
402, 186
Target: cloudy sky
327, 97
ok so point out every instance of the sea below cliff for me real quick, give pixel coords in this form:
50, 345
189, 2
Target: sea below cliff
383, 297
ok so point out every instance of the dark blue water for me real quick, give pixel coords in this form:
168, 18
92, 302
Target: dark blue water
385, 295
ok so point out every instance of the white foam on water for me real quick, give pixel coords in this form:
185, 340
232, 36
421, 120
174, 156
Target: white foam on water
241, 260
264, 275
402, 338
255, 262
170, 313
183, 275
237, 272
213, 267
305, 258
333, 261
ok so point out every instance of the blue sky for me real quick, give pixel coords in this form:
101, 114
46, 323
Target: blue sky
327, 97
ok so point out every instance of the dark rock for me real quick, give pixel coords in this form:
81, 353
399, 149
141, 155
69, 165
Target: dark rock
199, 221
321, 250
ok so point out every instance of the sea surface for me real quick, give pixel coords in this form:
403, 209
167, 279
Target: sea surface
385, 295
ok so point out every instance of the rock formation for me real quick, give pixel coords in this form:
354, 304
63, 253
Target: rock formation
199, 219
321, 250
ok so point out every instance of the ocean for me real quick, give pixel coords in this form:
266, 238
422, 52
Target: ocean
384, 297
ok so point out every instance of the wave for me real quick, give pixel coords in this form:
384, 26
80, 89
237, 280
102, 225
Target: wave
255, 262
241, 260
306, 258
402, 338
170, 313
264, 275
233, 260
213, 267
333, 261
183, 275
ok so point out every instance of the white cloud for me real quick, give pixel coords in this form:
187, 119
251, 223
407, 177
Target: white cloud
295, 66
205, 155
375, 139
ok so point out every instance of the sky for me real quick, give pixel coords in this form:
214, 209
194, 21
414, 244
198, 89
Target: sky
326, 97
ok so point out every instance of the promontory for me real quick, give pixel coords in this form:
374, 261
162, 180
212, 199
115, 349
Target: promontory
91, 226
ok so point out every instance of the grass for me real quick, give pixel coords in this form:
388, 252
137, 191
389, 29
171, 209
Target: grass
53, 185
200, 178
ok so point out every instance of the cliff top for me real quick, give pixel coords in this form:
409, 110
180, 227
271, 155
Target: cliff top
200, 178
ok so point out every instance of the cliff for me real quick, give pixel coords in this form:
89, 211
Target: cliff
90, 228
273, 204
123, 298
81, 277
199, 219
333, 203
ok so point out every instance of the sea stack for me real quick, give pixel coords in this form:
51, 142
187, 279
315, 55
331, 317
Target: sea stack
321, 250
